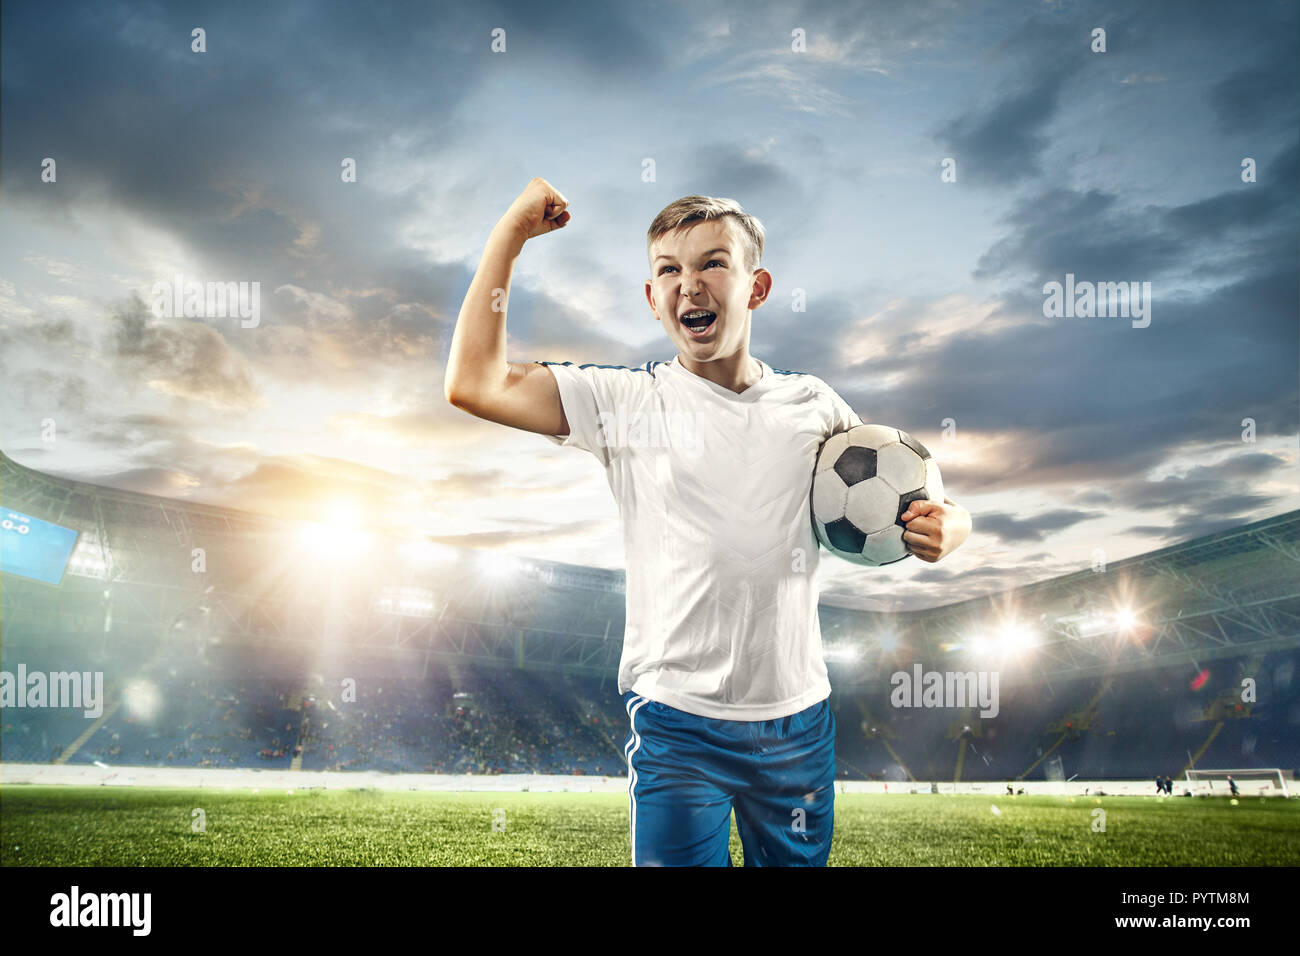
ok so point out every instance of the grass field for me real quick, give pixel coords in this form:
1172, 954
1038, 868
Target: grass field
101, 826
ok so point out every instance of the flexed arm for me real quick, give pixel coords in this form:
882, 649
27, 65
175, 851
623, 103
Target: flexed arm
479, 378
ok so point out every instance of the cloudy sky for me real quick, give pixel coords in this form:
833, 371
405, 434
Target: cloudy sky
924, 296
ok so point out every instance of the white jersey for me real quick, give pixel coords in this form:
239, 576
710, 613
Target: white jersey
713, 487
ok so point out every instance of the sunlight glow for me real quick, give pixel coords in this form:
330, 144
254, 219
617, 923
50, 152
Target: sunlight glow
342, 537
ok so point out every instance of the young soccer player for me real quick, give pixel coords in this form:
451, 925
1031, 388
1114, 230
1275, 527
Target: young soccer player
710, 457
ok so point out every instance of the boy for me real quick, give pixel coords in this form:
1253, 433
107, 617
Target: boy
710, 458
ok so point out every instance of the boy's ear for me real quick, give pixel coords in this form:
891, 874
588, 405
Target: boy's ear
762, 288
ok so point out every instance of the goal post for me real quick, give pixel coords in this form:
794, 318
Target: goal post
1270, 782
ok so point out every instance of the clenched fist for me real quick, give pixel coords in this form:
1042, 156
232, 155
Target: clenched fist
540, 208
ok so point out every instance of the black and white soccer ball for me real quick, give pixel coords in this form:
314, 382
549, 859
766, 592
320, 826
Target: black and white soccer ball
864, 481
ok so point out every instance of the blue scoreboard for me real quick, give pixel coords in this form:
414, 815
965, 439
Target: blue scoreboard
32, 548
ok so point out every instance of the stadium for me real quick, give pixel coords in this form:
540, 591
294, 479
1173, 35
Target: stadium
180, 679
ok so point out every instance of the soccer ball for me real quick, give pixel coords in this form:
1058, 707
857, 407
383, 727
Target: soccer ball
864, 481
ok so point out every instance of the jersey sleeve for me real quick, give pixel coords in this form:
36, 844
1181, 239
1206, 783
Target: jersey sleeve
843, 417
592, 395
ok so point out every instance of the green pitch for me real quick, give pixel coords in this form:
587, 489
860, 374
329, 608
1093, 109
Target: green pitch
100, 826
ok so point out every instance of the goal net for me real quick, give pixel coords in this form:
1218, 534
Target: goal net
1250, 783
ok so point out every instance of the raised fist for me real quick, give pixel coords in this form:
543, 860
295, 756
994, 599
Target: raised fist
540, 208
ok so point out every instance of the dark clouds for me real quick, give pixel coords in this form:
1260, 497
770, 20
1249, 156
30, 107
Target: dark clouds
1011, 528
1092, 399
238, 149
999, 139
728, 172
236, 154
1255, 97
1093, 235
186, 359
1002, 143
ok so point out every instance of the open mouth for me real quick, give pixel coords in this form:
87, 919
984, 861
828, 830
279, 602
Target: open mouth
698, 323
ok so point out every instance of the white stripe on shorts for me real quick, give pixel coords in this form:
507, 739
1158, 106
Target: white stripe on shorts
633, 705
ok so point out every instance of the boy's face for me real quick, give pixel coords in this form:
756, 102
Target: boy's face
702, 266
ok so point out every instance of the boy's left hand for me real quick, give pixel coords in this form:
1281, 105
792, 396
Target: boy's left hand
935, 530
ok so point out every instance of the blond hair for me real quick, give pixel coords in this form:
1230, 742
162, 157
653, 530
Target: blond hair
690, 209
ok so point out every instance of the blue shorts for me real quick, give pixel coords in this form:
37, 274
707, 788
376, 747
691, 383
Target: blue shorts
686, 773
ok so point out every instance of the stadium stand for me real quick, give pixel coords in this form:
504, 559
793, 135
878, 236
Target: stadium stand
446, 660
472, 718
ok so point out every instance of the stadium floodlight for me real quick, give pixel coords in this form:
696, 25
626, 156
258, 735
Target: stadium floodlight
887, 641
405, 602
1011, 638
497, 567
342, 537
1096, 623
1092, 624
842, 653
142, 699
1015, 638
87, 559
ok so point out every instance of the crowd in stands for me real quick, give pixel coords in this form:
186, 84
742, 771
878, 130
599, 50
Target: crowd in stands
477, 719
200, 723
493, 723
1097, 728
